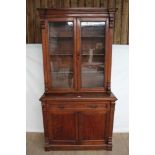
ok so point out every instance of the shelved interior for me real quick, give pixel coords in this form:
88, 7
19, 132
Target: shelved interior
92, 54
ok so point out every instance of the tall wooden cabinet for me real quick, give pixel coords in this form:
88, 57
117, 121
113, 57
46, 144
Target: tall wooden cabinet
78, 106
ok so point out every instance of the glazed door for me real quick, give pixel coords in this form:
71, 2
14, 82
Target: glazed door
61, 47
91, 52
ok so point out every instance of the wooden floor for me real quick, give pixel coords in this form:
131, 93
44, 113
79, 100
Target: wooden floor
35, 142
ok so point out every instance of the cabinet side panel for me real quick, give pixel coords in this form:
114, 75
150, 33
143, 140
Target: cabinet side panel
111, 122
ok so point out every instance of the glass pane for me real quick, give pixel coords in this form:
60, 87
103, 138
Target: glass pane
92, 54
61, 54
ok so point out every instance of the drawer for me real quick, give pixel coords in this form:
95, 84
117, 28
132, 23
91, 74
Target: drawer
85, 105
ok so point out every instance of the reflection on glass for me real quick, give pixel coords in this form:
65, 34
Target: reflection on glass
61, 54
92, 23
92, 54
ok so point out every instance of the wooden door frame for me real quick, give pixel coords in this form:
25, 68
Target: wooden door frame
95, 19
61, 90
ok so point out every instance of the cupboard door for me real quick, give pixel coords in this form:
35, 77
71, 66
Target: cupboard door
62, 127
91, 50
92, 127
61, 42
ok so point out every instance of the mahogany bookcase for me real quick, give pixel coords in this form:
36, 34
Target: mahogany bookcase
78, 105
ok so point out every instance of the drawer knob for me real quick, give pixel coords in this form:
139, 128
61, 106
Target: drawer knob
61, 107
93, 106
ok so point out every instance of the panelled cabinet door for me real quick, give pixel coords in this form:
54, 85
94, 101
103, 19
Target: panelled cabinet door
61, 49
92, 127
91, 50
62, 127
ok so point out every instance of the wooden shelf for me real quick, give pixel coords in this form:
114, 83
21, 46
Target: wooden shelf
85, 72
62, 72
61, 54
61, 37
92, 36
93, 54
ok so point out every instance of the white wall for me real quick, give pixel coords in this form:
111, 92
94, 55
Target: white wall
35, 87
120, 87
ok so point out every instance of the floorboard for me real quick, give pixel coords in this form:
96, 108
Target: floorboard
35, 143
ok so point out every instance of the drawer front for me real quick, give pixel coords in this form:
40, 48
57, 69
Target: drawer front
80, 106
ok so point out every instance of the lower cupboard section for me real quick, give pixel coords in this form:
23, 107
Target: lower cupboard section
78, 128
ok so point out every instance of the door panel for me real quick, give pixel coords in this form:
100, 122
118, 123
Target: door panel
91, 48
62, 127
92, 126
61, 47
